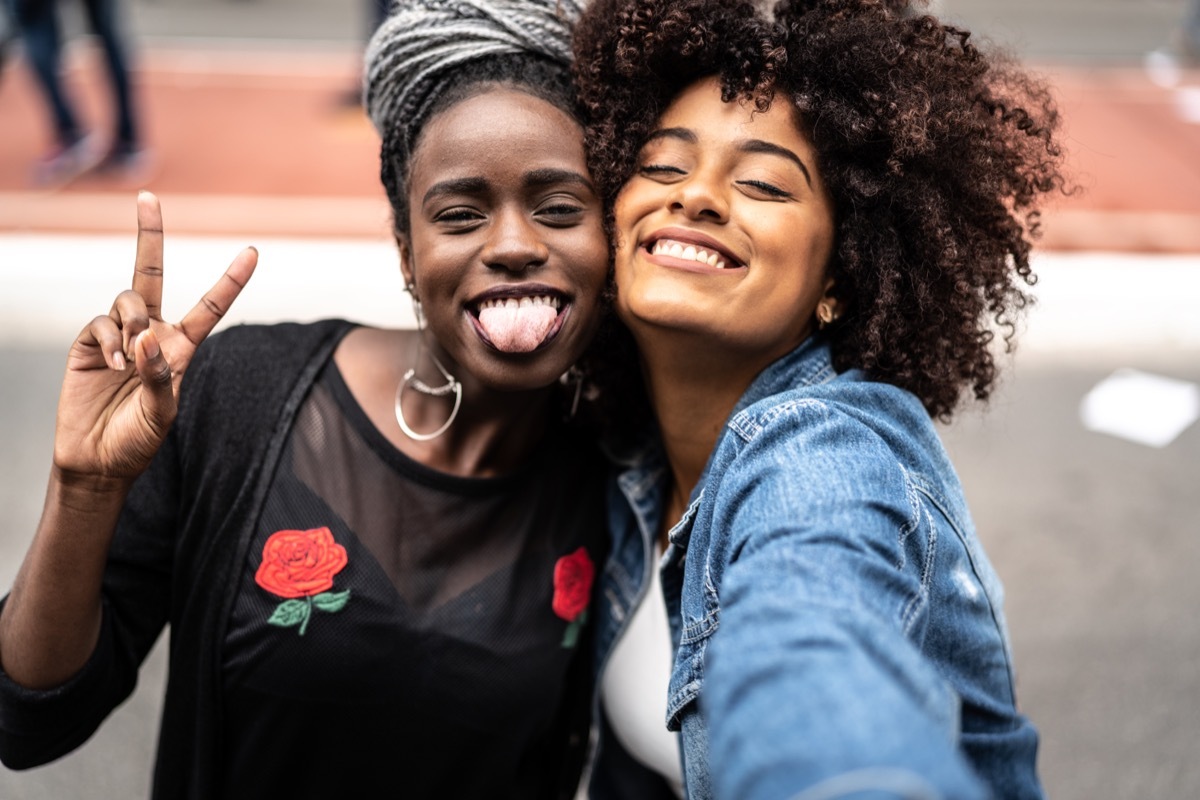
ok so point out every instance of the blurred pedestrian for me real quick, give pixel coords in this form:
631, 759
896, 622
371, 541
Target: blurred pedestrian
76, 149
8, 32
377, 11
1182, 50
1185, 40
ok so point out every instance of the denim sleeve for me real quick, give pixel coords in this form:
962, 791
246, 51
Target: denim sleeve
814, 687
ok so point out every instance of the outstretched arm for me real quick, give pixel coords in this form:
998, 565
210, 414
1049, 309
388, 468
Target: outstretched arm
119, 397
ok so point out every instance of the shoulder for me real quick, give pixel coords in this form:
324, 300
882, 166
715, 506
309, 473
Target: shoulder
284, 342
245, 351
846, 412
250, 369
846, 436
845, 441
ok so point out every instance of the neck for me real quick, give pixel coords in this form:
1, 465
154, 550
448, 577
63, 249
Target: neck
693, 389
494, 433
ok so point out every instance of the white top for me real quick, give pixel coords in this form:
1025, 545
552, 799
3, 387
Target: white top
634, 689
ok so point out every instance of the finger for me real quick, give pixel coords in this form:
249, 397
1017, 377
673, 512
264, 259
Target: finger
158, 401
107, 336
148, 264
100, 335
205, 315
130, 314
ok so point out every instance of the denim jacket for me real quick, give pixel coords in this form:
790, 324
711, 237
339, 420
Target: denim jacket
837, 626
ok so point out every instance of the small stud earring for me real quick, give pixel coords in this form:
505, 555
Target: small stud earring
825, 314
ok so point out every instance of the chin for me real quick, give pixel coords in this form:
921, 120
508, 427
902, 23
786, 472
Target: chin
664, 317
522, 373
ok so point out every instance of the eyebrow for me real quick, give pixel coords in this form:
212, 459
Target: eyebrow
759, 146
745, 146
548, 176
534, 179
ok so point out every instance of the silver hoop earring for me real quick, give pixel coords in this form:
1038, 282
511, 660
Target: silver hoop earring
573, 375
410, 378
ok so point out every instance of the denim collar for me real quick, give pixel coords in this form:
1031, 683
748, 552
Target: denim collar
808, 364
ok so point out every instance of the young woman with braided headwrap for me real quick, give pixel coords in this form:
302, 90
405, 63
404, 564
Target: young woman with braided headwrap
374, 547
822, 219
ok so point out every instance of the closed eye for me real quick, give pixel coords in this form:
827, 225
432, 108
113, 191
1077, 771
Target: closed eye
766, 188
458, 216
659, 169
560, 213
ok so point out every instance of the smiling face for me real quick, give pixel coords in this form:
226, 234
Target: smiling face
725, 229
506, 249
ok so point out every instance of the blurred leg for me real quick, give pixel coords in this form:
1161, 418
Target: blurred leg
39, 31
104, 18
1191, 29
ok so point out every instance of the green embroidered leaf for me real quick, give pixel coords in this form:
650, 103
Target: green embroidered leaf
289, 613
571, 636
332, 601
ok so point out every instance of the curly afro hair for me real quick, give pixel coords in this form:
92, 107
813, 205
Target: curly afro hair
935, 154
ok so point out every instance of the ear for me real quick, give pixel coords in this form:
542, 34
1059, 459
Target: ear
827, 295
406, 269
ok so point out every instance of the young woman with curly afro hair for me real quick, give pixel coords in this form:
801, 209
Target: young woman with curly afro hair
822, 220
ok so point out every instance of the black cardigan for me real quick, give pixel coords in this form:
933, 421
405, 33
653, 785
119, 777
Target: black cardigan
181, 536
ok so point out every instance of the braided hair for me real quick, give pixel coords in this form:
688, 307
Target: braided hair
429, 55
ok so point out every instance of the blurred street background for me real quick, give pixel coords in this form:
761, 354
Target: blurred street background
1085, 491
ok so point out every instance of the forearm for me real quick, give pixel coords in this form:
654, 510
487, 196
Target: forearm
49, 626
802, 691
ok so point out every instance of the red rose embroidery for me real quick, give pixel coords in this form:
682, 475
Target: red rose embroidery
573, 575
301, 564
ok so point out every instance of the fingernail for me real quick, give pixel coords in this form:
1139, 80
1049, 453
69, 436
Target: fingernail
118, 361
150, 343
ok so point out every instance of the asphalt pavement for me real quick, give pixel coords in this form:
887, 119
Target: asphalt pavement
1095, 536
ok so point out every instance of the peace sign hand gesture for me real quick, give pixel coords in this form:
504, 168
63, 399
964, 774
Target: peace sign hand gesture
113, 415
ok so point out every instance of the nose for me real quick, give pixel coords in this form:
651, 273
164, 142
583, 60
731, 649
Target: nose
514, 243
701, 197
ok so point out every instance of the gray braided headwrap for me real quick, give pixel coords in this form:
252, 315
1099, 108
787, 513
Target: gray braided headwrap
421, 40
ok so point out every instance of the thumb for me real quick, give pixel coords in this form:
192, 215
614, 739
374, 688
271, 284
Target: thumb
158, 401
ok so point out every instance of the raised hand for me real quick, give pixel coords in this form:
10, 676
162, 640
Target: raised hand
121, 389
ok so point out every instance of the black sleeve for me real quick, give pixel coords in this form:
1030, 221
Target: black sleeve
40, 726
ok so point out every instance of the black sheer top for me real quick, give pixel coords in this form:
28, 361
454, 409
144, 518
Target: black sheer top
401, 632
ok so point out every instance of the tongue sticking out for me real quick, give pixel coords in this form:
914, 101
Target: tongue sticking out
517, 328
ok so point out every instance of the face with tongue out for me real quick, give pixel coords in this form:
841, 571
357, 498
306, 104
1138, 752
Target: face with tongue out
505, 247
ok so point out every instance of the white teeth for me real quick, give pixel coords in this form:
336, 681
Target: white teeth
688, 252
521, 302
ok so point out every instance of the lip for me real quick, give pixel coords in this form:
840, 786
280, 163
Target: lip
518, 290
698, 239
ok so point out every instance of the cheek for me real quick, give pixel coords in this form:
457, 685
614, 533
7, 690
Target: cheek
436, 269
597, 255
623, 215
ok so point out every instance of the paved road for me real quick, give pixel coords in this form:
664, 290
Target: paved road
1095, 537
